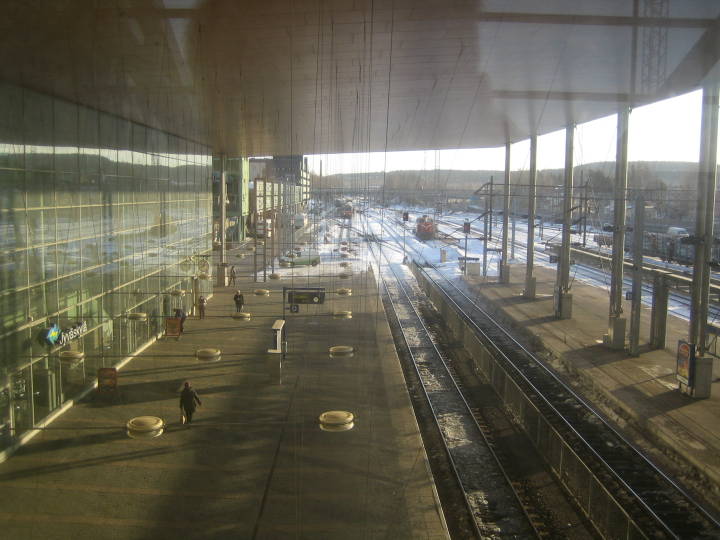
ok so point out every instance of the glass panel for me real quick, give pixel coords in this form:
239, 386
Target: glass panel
21, 395
12, 190
51, 297
73, 213
5, 404
40, 188
69, 258
12, 150
44, 389
38, 131
66, 188
68, 224
36, 299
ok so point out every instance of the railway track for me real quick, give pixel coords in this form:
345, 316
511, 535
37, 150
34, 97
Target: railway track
497, 509
602, 277
658, 506
643, 501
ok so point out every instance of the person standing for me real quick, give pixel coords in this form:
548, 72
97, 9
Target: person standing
239, 301
180, 314
188, 398
202, 302
233, 275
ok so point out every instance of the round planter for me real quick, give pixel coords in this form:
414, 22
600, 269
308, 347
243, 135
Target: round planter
341, 350
208, 355
145, 427
336, 421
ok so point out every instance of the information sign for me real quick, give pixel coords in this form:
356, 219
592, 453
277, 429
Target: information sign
107, 379
306, 296
685, 362
172, 326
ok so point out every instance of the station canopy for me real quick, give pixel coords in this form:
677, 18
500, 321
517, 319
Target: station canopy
271, 77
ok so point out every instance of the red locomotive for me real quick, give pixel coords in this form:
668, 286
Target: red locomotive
425, 228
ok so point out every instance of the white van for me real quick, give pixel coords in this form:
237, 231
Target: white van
678, 232
300, 220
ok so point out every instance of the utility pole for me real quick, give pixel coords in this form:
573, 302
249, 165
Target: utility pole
504, 266
637, 276
512, 239
703, 240
222, 267
491, 205
563, 298
530, 280
615, 337
485, 244
584, 206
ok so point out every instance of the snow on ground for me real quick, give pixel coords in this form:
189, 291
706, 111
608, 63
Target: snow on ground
429, 251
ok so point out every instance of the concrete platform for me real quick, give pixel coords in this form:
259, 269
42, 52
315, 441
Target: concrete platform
641, 392
254, 463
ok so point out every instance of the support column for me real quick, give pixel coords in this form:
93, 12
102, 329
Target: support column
704, 217
563, 298
658, 320
530, 280
222, 278
637, 276
504, 264
703, 237
615, 337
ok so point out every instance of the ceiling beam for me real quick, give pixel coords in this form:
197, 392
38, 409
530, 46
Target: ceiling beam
487, 16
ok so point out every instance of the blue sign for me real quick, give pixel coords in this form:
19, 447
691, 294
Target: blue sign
52, 334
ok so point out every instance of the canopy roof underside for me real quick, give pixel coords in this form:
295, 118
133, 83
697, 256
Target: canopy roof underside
272, 77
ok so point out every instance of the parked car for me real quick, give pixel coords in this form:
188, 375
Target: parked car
302, 258
678, 232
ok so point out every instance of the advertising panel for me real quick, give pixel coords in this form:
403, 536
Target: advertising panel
685, 362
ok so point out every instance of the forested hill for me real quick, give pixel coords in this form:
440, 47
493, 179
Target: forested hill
651, 174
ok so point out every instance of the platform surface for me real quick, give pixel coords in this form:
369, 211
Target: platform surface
254, 463
643, 390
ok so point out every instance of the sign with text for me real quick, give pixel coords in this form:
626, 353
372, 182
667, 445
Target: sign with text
55, 336
306, 296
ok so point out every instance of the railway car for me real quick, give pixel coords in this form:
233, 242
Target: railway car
675, 248
346, 211
667, 247
425, 228
603, 239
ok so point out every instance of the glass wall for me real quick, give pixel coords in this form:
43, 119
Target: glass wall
99, 217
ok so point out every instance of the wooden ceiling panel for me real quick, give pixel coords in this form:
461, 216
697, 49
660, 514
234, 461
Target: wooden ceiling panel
264, 77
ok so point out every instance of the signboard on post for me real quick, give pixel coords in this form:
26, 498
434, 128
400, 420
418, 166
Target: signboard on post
685, 362
172, 327
306, 296
107, 379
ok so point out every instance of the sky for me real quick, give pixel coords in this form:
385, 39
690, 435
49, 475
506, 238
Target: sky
668, 130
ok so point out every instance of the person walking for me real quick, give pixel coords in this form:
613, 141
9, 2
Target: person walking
239, 301
188, 398
202, 302
233, 275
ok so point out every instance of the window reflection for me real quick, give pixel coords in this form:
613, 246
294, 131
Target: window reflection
94, 212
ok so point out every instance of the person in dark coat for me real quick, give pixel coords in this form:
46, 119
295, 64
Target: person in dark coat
188, 398
239, 301
180, 314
